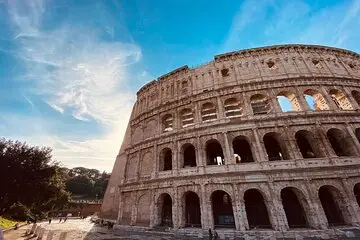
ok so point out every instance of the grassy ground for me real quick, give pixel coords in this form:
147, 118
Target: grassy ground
6, 223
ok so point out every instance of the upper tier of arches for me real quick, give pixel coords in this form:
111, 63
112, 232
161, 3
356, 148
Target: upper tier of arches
248, 66
237, 106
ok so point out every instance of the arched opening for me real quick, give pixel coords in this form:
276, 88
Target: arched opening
222, 210
242, 150
192, 210
341, 101
260, 104
288, 102
256, 211
232, 108
327, 195
208, 112
357, 193
187, 117
167, 123
165, 159
189, 155
214, 153
304, 140
315, 100
357, 134
165, 210
356, 95
294, 211
275, 151
341, 143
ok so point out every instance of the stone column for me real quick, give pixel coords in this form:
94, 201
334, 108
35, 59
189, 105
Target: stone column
201, 153
302, 101
177, 163
351, 203
353, 138
138, 166
119, 216
152, 209
204, 209
155, 170
328, 99
247, 110
349, 96
175, 209
220, 107
277, 210
239, 210
260, 155
315, 204
228, 155
197, 114
274, 102
133, 208
292, 147
329, 151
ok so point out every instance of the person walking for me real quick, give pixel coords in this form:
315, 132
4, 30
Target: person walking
1, 234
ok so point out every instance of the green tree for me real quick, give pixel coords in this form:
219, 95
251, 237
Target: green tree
29, 176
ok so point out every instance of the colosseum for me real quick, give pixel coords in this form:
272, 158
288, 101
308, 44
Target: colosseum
263, 138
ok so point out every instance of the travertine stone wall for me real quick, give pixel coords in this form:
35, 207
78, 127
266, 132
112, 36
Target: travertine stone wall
240, 95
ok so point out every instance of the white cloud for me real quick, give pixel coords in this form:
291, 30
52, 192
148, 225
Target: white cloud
75, 71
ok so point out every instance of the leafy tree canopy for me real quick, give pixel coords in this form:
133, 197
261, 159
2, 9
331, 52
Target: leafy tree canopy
86, 183
29, 177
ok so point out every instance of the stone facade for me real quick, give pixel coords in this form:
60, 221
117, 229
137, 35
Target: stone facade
259, 138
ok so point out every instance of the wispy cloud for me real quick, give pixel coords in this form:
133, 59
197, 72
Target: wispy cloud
76, 72
277, 22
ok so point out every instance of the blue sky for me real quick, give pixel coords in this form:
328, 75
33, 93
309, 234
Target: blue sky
70, 69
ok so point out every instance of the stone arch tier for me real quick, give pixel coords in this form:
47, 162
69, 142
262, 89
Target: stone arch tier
234, 100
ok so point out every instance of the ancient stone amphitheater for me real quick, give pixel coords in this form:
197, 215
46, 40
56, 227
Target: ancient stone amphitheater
264, 138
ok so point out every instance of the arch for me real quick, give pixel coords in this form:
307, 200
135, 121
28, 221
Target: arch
356, 95
165, 162
242, 150
294, 210
341, 101
232, 108
167, 123
256, 210
288, 101
208, 112
222, 209
341, 143
357, 134
143, 210
305, 141
165, 210
146, 164
357, 193
187, 117
274, 146
329, 197
192, 209
214, 153
189, 155
260, 104
315, 100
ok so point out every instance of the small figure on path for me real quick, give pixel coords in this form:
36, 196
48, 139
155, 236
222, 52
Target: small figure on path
50, 220
60, 219
210, 234
216, 236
